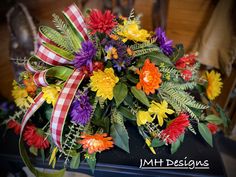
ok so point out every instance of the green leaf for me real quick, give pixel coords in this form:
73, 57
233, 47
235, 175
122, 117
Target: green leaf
214, 119
223, 115
42, 154
120, 136
132, 78
59, 72
157, 143
158, 58
181, 138
26, 160
75, 161
175, 146
65, 54
33, 150
126, 113
140, 95
178, 52
91, 160
120, 92
205, 132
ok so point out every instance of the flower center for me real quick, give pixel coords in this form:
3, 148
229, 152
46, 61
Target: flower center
147, 76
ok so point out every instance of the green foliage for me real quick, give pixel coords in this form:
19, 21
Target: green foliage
75, 161
127, 113
190, 127
140, 95
144, 51
178, 52
158, 58
56, 37
65, 54
120, 91
119, 132
214, 119
175, 146
205, 132
148, 44
91, 160
180, 100
33, 150
223, 115
172, 71
157, 143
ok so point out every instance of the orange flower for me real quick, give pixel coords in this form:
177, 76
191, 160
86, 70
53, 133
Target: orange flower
30, 85
149, 77
96, 143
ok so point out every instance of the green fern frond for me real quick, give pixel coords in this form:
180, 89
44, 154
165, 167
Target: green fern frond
141, 52
180, 100
56, 37
190, 127
147, 44
63, 28
172, 71
116, 117
131, 15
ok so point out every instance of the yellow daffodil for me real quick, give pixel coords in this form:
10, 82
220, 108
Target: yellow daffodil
21, 97
148, 142
160, 110
103, 82
214, 84
143, 117
130, 31
51, 93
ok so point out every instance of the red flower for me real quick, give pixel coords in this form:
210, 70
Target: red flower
186, 74
175, 129
212, 127
103, 23
34, 137
97, 65
187, 60
16, 126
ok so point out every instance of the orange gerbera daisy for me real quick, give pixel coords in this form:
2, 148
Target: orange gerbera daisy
149, 77
96, 142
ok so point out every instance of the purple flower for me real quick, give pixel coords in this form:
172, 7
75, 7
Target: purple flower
85, 56
81, 108
116, 51
164, 43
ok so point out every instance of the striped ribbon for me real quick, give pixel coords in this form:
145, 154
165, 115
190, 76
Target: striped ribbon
62, 106
67, 94
38, 101
74, 15
39, 79
29, 67
50, 57
43, 38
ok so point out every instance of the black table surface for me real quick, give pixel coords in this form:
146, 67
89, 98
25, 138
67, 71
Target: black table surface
117, 162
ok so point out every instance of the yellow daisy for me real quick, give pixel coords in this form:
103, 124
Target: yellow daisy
160, 110
21, 97
130, 31
103, 83
214, 84
51, 93
143, 117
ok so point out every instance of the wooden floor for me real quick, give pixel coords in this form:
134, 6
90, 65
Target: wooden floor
185, 21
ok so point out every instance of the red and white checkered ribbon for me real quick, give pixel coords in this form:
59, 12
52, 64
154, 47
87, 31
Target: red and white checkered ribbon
29, 67
39, 79
50, 57
74, 15
62, 106
38, 101
42, 38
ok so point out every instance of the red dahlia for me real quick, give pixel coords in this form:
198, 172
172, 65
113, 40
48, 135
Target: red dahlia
12, 124
212, 127
175, 129
34, 137
99, 22
187, 60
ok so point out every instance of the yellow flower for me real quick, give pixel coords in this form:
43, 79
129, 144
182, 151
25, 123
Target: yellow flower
160, 110
130, 31
103, 82
51, 93
143, 117
21, 97
148, 142
214, 84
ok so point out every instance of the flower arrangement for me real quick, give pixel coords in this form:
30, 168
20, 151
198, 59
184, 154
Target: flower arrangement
94, 73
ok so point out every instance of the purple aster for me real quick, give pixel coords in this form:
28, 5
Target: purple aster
120, 58
85, 56
81, 108
164, 43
